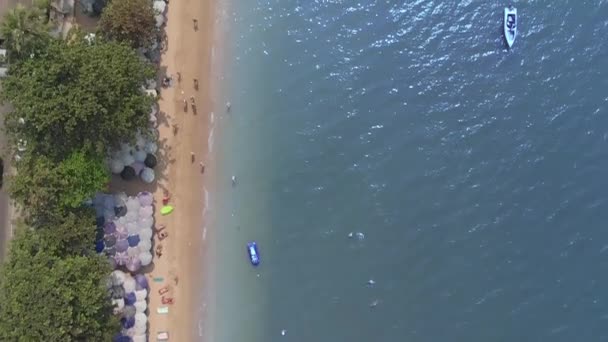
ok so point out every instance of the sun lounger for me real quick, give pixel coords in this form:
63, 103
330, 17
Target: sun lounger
162, 336
163, 290
163, 310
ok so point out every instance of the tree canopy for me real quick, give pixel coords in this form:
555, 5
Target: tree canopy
25, 31
47, 190
77, 95
129, 21
44, 297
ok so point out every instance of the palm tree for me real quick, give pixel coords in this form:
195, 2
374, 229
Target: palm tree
23, 30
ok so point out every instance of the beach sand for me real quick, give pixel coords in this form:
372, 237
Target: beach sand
189, 52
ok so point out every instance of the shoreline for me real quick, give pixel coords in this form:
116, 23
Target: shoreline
189, 52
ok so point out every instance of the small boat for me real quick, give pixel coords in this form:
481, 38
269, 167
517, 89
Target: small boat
510, 25
254, 256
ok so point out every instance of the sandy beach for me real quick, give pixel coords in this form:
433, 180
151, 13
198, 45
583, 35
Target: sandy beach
181, 134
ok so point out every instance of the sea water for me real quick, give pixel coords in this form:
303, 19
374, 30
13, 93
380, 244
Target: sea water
476, 176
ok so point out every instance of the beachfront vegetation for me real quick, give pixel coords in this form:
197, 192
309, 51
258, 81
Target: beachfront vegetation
48, 190
25, 31
77, 95
129, 21
46, 296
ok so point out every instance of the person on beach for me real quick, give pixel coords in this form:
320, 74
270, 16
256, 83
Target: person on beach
228, 106
185, 105
202, 167
195, 24
179, 76
233, 181
195, 84
192, 157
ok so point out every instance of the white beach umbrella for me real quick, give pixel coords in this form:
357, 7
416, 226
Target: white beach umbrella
118, 277
140, 155
132, 228
130, 332
133, 252
160, 20
129, 284
141, 294
151, 147
146, 211
145, 258
140, 330
116, 166
145, 245
140, 319
160, 6
145, 234
133, 205
147, 175
140, 338
140, 306
127, 158
140, 141
145, 222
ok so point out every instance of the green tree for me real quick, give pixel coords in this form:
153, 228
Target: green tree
77, 95
44, 297
47, 190
129, 21
25, 31
74, 234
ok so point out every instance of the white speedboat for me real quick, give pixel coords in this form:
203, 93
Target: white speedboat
510, 25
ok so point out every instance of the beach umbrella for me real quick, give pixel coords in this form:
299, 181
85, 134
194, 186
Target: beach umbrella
133, 264
130, 298
132, 228
153, 108
140, 337
121, 245
151, 161
140, 155
129, 284
146, 211
127, 158
166, 210
140, 294
133, 252
112, 262
109, 240
108, 214
145, 223
120, 199
140, 141
121, 220
138, 166
133, 240
129, 311
151, 147
139, 330
116, 166
121, 231
133, 205
131, 216
145, 199
160, 20
145, 258
109, 250
99, 246
128, 322
141, 281
146, 242
109, 227
130, 332
99, 210
140, 319
140, 306
160, 6
118, 277
121, 338
121, 258
128, 173
147, 175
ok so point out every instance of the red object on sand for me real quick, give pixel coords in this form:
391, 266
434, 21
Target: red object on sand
166, 300
163, 290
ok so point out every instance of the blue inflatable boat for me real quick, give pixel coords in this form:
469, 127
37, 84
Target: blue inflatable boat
254, 256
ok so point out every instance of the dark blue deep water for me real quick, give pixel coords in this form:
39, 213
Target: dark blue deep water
478, 176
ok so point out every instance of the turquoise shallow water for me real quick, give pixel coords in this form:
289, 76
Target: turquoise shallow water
476, 174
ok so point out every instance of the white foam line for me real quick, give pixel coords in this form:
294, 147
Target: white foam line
212, 117
204, 233
210, 140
